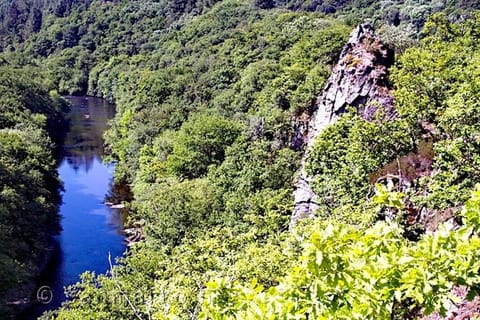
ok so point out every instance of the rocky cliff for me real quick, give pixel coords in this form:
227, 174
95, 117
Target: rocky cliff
359, 80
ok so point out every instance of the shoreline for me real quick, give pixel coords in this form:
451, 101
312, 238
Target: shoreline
20, 299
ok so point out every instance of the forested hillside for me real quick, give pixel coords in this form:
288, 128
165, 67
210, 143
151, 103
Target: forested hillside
210, 97
31, 118
75, 36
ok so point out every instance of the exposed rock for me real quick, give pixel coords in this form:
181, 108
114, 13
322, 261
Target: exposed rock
358, 80
432, 219
134, 235
464, 310
407, 169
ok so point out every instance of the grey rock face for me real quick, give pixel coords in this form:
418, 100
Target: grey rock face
358, 80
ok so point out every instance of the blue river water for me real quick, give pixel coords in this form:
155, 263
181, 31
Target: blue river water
91, 229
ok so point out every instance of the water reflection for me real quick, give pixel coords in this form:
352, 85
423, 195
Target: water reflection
84, 141
91, 230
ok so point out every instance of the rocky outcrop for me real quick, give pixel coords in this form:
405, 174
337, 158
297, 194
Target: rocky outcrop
358, 80
462, 310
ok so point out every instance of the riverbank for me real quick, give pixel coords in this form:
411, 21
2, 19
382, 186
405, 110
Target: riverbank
21, 298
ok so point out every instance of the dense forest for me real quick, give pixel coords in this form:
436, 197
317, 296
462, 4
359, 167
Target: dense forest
209, 97
30, 122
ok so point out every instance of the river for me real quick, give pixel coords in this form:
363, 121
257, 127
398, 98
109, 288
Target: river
91, 229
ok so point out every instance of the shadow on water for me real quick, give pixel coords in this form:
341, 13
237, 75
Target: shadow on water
91, 230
